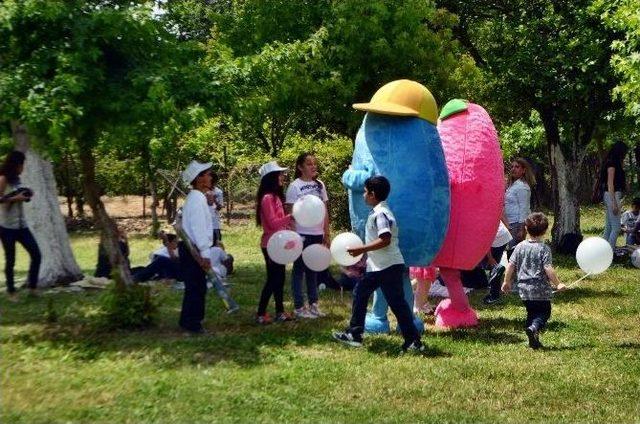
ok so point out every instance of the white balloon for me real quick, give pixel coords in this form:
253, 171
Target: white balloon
284, 247
594, 255
339, 246
635, 258
309, 211
317, 257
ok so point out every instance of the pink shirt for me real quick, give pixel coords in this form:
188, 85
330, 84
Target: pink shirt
272, 217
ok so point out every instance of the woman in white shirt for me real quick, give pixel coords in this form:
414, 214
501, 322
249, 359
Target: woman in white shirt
517, 199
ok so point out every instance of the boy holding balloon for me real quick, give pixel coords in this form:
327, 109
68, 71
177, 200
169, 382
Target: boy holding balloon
530, 262
385, 269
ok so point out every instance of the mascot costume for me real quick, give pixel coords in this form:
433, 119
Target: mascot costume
474, 161
398, 139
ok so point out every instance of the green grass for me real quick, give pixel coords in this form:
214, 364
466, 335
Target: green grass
69, 372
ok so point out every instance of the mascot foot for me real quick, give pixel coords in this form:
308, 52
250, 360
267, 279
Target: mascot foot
419, 324
450, 317
376, 325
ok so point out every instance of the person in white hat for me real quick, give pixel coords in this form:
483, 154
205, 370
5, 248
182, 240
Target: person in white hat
196, 222
270, 215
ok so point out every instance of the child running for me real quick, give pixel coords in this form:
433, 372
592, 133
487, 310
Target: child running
307, 183
531, 264
385, 268
270, 215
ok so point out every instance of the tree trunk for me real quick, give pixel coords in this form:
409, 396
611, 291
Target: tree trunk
108, 228
44, 216
564, 182
155, 225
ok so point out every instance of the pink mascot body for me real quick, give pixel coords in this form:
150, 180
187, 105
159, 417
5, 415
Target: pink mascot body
474, 160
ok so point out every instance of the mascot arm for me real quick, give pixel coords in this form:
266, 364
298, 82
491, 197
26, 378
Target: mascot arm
353, 179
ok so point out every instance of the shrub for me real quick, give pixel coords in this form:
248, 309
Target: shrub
126, 307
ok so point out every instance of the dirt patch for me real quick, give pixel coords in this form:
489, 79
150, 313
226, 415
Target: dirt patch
128, 213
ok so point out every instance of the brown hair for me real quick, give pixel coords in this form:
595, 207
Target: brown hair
536, 224
529, 177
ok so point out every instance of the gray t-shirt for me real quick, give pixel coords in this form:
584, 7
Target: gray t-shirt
529, 258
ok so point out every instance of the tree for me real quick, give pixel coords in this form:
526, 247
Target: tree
44, 216
552, 57
73, 71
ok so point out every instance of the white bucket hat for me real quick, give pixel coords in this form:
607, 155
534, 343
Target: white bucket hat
192, 171
270, 167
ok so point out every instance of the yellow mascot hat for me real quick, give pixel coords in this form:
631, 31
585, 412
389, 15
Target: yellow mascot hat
403, 98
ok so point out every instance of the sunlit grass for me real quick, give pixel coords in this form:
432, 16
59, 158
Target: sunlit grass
67, 372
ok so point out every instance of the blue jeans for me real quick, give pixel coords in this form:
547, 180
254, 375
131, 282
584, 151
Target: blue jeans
9, 239
538, 313
612, 221
390, 281
160, 267
300, 270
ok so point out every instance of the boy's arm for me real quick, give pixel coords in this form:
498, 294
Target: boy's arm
380, 243
553, 277
508, 276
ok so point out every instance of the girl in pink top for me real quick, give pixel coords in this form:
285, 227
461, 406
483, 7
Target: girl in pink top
271, 217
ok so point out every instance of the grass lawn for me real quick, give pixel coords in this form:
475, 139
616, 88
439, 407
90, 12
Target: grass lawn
68, 372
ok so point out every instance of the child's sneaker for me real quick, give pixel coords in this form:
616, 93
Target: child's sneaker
491, 299
415, 346
263, 319
313, 309
533, 336
347, 338
303, 313
283, 316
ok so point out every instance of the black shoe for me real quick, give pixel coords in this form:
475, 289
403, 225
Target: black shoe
348, 338
491, 299
415, 346
533, 336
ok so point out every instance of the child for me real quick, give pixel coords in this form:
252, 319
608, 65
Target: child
628, 221
385, 268
165, 262
531, 263
421, 279
215, 200
270, 215
306, 182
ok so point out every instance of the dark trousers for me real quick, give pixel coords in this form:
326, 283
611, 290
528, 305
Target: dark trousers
23, 236
195, 291
273, 286
217, 236
390, 282
160, 267
496, 284
538, 313
300, 271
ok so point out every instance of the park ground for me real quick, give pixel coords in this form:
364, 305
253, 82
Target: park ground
66, 370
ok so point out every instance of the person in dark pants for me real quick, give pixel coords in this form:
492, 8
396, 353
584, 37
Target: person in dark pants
531, 264
13, 226
103, 267
271, 217
196, 223
385, 269
165, 263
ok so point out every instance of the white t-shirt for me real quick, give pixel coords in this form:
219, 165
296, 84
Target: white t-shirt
299, 188
217, 255
215, 213
503, 236
380, 221
162, 251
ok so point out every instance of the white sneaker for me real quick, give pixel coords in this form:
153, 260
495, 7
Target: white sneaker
313, 309
304, 313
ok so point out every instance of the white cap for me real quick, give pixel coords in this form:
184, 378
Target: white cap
192, 171
269, 167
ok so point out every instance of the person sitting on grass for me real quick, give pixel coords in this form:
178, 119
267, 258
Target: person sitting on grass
385, 269
628, 222
103, 268
165, 263
531, 264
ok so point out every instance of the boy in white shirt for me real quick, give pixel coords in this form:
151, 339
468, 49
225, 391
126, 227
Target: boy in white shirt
385, 269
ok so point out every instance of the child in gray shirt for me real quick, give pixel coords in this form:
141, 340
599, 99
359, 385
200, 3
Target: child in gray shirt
531, 264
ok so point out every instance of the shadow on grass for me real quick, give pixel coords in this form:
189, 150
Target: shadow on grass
390, 347
236, 338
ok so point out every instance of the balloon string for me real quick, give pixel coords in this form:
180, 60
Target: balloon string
578, 280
